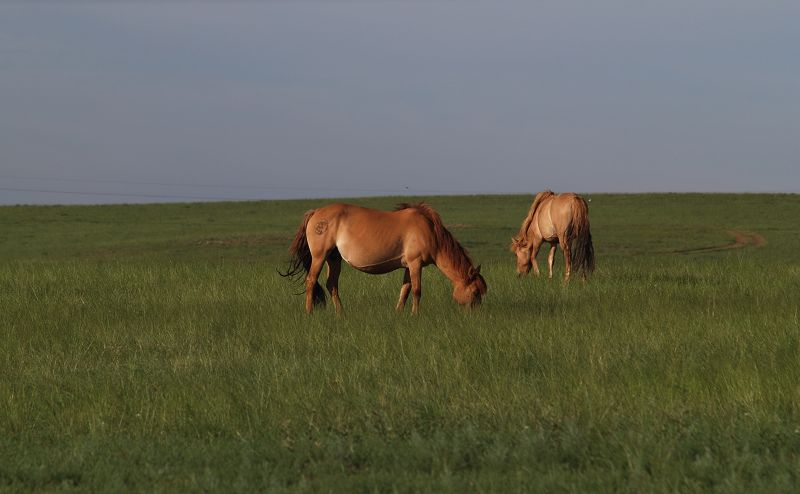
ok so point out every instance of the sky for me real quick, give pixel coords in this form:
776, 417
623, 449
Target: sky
145, 101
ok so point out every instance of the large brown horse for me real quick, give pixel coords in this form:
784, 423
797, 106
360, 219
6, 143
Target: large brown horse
377, 242
561, 219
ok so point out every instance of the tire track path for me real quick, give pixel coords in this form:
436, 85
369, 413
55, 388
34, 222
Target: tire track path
741, 239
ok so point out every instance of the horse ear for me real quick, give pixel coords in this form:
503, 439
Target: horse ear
478, 270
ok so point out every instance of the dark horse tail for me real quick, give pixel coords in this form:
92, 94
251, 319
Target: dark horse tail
581, 248
300, 261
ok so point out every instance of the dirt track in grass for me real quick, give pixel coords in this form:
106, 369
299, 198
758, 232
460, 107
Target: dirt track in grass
741, 239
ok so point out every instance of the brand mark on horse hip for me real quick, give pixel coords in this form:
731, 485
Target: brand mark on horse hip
321, 227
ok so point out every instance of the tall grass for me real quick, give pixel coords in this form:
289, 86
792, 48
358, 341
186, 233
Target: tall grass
193, 366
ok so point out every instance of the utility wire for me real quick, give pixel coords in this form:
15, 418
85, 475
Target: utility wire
112, 194
133, 182
400, 190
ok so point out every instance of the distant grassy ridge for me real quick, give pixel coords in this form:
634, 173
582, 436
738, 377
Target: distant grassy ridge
155, 348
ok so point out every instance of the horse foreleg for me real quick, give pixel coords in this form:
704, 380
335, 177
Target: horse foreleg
551, 257
332, 284
405, 289
311, 282
416, 286
537, 244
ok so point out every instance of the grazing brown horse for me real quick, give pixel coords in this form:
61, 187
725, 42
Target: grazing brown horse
377, 242
561, 219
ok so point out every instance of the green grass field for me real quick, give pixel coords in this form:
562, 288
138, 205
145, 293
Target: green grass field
155, 348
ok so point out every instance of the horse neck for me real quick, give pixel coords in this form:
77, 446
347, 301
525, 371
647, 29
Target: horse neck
455, 267
537, 204
526, 225
449, 256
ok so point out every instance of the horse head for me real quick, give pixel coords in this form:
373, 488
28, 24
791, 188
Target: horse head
521, 248
472, 291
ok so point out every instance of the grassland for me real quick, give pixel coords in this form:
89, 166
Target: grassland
155, 348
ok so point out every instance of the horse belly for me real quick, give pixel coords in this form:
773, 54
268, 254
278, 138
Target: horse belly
371, 260
547, 230
380, 267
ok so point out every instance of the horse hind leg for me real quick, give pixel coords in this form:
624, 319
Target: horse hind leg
405, 290
314, 292
564, 243
334, 263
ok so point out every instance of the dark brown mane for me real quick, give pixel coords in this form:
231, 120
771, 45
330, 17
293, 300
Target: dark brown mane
446, 242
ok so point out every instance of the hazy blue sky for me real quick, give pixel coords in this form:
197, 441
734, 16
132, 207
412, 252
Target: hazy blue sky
152, 101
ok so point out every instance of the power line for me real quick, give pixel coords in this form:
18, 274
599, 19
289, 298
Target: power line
113, 194
132, 182
399, 190
196, 185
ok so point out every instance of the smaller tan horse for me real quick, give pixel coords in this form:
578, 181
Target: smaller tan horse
561, 219
377, 242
